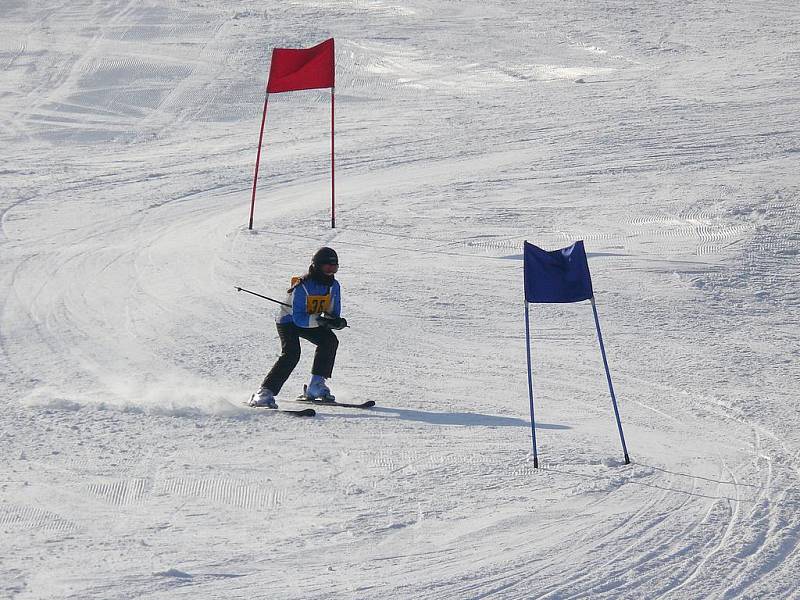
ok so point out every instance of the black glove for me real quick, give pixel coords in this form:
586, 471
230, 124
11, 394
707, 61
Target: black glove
327, 321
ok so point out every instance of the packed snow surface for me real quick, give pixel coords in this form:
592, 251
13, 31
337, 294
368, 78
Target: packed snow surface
664, 134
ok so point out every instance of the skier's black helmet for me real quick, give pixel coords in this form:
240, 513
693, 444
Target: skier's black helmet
325, 256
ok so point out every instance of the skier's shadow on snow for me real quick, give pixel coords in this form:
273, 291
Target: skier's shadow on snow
459, 418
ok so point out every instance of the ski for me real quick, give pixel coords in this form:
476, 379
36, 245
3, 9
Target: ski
306, 412
325, 402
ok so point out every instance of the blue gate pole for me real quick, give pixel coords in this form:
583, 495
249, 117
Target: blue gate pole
610, 387
530, 385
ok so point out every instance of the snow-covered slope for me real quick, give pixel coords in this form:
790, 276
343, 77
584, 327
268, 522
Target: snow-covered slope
663, 134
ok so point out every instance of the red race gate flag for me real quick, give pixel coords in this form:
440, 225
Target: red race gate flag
302, 69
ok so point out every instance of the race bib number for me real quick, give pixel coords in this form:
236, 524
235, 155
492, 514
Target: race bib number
318, 304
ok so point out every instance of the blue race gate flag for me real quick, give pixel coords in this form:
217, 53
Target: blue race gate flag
557, 276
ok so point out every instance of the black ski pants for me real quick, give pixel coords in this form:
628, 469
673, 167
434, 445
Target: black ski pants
290, 334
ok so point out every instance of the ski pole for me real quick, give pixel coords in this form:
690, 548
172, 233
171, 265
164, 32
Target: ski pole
239, 289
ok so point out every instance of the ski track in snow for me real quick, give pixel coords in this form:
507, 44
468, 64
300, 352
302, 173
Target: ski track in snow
665, 136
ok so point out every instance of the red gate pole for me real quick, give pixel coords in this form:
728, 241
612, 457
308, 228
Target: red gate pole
333, 195
258, 160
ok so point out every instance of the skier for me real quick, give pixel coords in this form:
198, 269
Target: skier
315, 300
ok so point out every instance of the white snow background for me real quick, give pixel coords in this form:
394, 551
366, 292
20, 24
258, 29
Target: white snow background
665, 135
